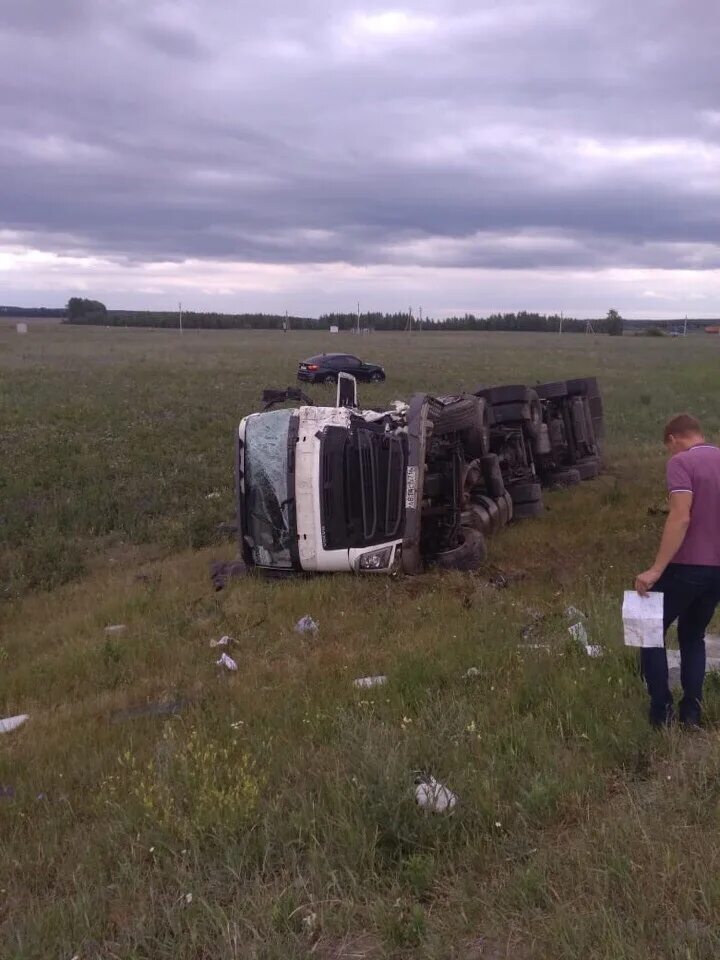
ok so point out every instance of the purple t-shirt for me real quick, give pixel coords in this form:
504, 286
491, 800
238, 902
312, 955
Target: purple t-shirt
697, 471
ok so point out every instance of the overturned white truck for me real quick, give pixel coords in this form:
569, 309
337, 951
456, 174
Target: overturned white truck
341, 488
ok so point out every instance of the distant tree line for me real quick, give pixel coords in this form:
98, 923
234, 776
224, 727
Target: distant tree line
93, 312
49, 313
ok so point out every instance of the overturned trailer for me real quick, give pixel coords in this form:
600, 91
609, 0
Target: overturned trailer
422, 483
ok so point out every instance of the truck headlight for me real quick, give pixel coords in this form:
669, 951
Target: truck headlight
376, 559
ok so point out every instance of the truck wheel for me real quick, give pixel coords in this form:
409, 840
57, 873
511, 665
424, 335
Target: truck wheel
560, 479
526, 500
458, 414
525, 492
478, 518
588, 468
491, 508
470, 553
492, 475
526, 511
515, 393
511, 413
508, 500
552, 391
476, 439
329, 379
503, 512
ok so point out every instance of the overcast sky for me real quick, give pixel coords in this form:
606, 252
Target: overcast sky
464, 155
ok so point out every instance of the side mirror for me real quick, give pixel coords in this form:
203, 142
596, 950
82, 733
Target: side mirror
346, 390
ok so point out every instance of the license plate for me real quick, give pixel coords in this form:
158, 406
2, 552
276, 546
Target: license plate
411, 488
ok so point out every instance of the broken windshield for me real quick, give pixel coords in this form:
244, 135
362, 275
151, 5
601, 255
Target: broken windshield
266, 488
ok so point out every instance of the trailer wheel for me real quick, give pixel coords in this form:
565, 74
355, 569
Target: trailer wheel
560, 479
470, 553
552, 391
588, 468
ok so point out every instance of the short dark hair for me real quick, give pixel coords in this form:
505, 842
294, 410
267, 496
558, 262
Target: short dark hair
681, 425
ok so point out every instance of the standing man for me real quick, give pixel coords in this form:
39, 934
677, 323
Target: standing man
686, 569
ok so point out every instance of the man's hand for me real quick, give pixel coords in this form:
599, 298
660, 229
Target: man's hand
644, 582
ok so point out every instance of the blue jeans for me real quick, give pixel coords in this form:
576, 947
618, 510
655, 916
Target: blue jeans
691, 594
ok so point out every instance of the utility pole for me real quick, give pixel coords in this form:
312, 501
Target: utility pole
685, 327
561, 320
180, 311
358, 317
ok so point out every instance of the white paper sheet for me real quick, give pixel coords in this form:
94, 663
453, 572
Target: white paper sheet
643, 619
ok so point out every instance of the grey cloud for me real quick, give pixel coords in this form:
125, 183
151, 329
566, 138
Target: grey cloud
277, 135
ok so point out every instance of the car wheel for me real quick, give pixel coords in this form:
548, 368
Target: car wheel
376, 377
469, 554
588, 468
560, 479
329, 379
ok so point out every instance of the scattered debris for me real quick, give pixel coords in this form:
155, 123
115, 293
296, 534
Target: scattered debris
221, 572
7, 793
41, 796
572, 613
224, 641
310, 924
434, 796
188, 898
166, 708
370, 681
306, 624
115, 628
12, 723
227, 662
213, 496
471, 673
578, 632
534, 646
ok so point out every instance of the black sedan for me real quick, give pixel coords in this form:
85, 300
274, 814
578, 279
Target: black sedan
326, 366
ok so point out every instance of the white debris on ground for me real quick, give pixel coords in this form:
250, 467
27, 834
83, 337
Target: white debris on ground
471, 673
643, 619
227, 662
212, 496
306, 624
12, 723
578, 632
224, 641
572, 613
370, 681
115, 628
434, 796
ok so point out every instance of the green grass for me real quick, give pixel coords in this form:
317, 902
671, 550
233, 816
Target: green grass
281, 798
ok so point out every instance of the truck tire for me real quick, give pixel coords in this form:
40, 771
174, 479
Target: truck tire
525, 492
504, 513
477, 517
511, 413
491, 508
458, 414
492, 475
515, 393
552, 391
508, 501
476, 439
560, 479
470, 553
526, 500
578, 387
588, 468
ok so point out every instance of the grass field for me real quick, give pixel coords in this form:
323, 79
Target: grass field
273, 816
